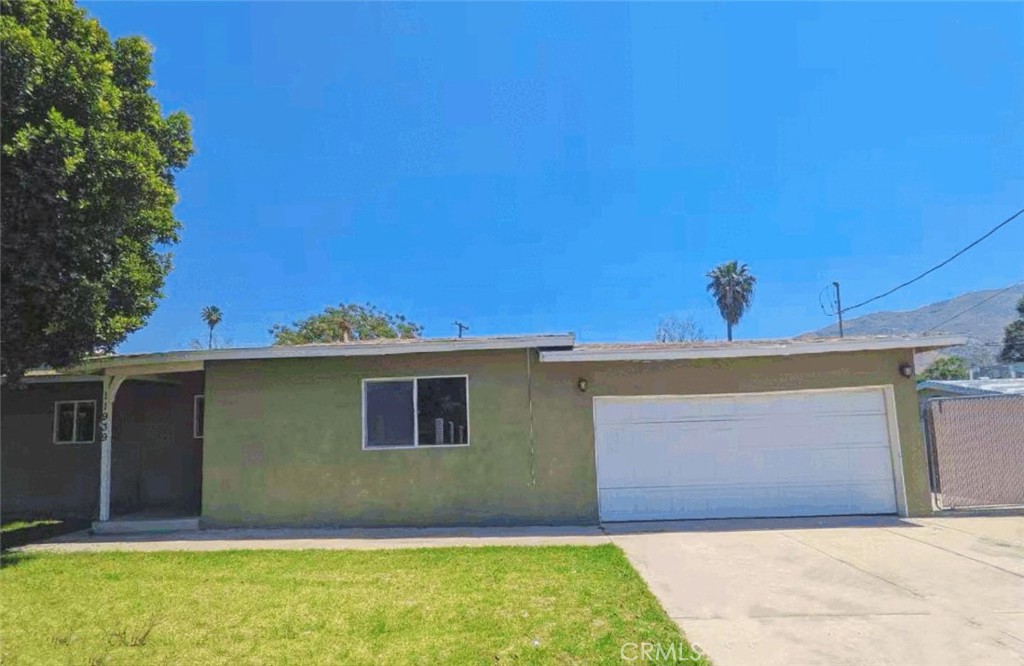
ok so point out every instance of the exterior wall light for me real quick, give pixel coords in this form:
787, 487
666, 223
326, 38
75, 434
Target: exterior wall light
581, 383
907, 370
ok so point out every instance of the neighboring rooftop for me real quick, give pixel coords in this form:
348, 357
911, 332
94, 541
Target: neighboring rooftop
1001, 371
975, 386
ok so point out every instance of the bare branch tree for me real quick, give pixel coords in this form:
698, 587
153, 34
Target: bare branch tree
673, 328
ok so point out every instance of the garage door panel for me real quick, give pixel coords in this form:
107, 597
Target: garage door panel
787, 431
652, 455
825, 465
655, 409
780, 454
809, 404
853, 427
683, 467
807, 430
732, 502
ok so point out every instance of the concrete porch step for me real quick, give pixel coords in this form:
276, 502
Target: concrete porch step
141, 525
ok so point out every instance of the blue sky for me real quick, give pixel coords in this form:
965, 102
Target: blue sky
553, 167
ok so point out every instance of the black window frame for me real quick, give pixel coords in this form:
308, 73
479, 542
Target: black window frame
415, 416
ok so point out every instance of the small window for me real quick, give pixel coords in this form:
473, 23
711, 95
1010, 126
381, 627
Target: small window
198, 413
74, 422
423, 411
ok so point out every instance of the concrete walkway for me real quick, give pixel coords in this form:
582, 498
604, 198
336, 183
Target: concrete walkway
323, 538
874, 591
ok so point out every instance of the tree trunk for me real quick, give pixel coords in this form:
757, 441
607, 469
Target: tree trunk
728, 330
210, 345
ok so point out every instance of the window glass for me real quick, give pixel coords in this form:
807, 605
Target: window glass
389, 414
65, 422
443, 416
74, 421
85, 421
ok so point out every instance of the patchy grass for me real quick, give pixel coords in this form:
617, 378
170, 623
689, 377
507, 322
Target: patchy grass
494, 605
20, 532
17, 525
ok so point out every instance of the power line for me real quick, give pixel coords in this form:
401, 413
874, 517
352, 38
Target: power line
966, 310
835, 306
938, 266
821, 302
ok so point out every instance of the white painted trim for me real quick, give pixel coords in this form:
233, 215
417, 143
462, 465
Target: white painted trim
672, 352
128, 364
60, 379
195, 415
597, 454
892, 423
416, 415
137, 370
110, 388
417, 447
52, 378
673, 396
74, 422
895, 449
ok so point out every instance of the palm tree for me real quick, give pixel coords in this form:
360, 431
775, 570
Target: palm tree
732, 285
212, 316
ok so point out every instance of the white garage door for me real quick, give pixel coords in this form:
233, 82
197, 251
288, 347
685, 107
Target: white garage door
786, 453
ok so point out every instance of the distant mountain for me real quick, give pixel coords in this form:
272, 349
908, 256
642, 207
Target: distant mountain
984, 323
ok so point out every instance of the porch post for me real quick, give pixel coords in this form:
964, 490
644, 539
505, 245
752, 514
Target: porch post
111, 383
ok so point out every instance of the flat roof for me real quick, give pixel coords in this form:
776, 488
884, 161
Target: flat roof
379, 347
671, 351
975, 386
554, 348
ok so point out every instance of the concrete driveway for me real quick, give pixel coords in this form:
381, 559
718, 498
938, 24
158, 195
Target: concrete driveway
859, 591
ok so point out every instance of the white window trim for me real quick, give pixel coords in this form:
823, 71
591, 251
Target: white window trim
416, 413
74, 422
195, 415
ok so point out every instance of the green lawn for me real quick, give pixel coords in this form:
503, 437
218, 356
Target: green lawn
492, 605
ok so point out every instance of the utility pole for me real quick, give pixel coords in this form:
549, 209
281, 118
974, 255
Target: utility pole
462, 327
839, 308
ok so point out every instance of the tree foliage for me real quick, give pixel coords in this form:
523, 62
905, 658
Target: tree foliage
1013, 338
673, 328
732, 286
346, 323
948, 367
87, 185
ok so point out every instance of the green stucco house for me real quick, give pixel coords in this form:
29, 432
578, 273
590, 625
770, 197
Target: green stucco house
476, 431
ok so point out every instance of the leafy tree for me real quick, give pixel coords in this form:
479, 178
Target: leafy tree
679, 329
87, 185
1013, 339
346, 323
732, 287
948, 367
212, 316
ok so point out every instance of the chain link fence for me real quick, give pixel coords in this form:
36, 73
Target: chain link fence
976, 450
